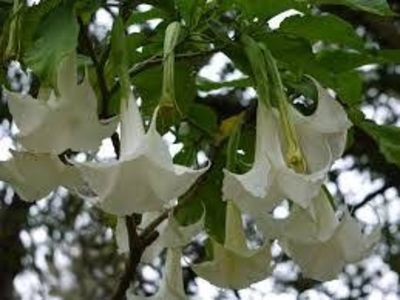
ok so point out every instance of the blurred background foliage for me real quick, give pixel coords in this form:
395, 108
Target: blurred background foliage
63, 248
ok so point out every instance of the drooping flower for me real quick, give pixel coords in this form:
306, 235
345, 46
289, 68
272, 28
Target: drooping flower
321, 244
322, 138
234, 265
144, 178
171, 235
171, 287
66, 120
34, 176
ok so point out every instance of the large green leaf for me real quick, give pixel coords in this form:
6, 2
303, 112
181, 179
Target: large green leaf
191, 10
149, 83
379, 7
138, 17
55, 36
349, 86
387, 137
209, 193
31, 19
268, 8
204, 84
338, 61
204, 118
118, 59
326, 28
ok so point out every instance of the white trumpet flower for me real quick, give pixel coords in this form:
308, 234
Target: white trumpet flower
171, 287
316, 223
234, 265
66, 120
171, 235
34, 176
322, 137
321, 244
144, 179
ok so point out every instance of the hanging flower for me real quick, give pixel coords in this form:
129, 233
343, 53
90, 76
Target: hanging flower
144, 179
66, 120
321, 244
34, 176
171, 287
171, 234
322, 138
234, 265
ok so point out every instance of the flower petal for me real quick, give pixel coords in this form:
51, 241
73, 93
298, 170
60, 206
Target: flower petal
145, 178
317, 223
325, 260
234, 265
231, 270
34, 176
132, 129
65, 121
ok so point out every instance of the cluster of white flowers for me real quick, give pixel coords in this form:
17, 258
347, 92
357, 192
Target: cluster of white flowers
145, 180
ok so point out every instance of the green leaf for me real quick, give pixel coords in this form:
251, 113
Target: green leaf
349, 86
149, 83
189, 213
206, 85
338, 61
191, 10
204, 118
86, 8
326, 28
295, 53
390, 56
55, 37
118, 59
387, 137
32, 17
138, 17
209, 192
379, 7
268, 8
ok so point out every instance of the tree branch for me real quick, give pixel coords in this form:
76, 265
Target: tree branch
353, 208
99, 67
135, 253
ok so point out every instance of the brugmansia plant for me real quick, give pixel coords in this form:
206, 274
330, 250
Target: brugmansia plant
134, 86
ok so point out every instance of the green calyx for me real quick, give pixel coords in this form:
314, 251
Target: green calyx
259, 67
294, 156
171, 39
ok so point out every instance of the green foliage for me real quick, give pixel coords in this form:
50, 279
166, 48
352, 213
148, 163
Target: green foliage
379, 7
56, 35
206, 85
138, 17
149, 83
268, 8
387, 137
118, 59
325, 28
204, 118
191, 11
209, 193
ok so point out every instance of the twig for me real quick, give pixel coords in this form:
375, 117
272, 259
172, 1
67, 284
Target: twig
368, 198
156, 60
135, 253
98, 67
